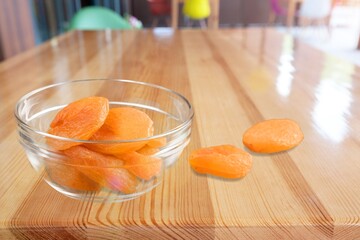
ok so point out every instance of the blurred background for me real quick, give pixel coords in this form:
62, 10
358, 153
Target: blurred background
27, 23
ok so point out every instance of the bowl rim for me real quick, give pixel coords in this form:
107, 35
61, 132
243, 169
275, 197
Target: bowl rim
163, 134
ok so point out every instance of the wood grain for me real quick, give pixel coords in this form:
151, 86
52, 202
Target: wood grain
234, 78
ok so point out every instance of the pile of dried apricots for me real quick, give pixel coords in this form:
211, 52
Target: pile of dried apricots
227, 161
119, 166
90, 166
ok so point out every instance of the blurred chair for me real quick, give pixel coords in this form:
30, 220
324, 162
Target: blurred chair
197, 10
315, 12
277, 11
160, 9
97, 18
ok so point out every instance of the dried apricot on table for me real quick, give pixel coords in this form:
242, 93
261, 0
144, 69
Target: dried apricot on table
225, 161
123, 123
78, 120
274, 135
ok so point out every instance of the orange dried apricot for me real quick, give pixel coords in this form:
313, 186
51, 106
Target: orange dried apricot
90, 163
274, 135
80, 155
120, 179
67, 176
142, 166
78, 120
225, 161
147, 150
124, 123
129, 123
105, 170
157, 142
104, 134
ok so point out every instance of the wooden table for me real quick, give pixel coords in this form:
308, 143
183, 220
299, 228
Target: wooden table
233, 78
213, 21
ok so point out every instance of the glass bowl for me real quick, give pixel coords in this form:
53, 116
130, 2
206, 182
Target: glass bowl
99, 179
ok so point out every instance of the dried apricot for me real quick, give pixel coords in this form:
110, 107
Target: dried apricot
274, 135
80, 155
129, 123
124, 123
78, 120
120, 179
157, 142
104, 134
142, 166
147, 150
105, 170
65, 175
225, 161
90, 163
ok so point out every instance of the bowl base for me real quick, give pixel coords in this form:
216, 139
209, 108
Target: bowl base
103, 195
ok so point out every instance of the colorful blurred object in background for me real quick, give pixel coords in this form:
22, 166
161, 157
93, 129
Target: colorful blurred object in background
197, 10
160, 9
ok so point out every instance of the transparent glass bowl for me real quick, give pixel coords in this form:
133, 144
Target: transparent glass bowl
171, 113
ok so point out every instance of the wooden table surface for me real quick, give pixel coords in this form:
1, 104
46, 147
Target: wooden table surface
234, 78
